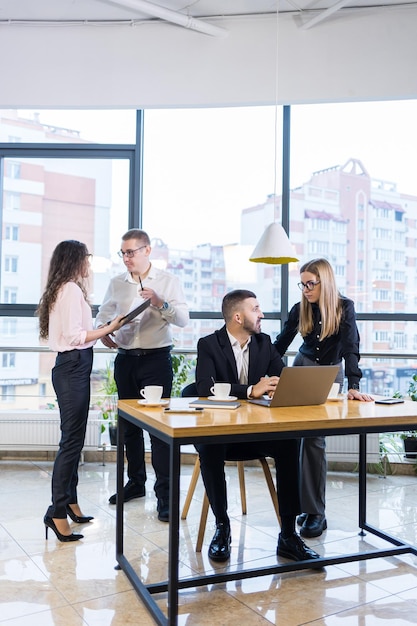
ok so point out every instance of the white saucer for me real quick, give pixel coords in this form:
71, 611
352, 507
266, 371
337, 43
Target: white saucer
159, 403
338, 398
228, 399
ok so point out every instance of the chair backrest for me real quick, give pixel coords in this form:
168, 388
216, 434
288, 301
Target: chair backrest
189, 391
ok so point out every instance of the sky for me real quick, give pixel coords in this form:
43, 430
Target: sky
382, 135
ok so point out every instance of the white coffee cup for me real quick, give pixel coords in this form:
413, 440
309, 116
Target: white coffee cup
221, 390
152, 393
334, 391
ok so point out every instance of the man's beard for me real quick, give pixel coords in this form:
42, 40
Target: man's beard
252, 330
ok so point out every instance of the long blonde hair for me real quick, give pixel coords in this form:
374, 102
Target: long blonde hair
329, 303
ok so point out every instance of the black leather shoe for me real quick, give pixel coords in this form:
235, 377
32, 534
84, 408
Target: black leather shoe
219, 549
163, 510
130, 490
313, 526
294, 548
301, 519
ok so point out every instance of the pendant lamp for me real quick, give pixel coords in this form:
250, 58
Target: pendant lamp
274, 247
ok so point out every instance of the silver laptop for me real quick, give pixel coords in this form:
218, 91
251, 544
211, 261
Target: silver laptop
302, 386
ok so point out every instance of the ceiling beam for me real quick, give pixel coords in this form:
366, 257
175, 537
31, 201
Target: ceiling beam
324, 15
174, 17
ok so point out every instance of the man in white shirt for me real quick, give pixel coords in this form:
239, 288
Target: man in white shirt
143, 353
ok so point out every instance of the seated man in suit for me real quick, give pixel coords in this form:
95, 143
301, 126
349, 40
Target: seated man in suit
240, 354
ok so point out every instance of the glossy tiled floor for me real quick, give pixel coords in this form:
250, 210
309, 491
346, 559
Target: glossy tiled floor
72, 584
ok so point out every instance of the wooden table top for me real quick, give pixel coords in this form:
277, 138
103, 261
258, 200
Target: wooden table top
252, 418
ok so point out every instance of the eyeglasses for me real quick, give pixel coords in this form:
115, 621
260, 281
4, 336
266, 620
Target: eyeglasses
309, 285
129, 253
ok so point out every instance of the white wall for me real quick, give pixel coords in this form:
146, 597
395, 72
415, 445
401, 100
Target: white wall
351, 56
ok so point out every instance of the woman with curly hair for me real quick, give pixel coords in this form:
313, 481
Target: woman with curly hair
65, 320
326, 322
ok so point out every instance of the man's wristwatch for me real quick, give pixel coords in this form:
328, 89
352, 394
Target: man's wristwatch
354, 386
163, 307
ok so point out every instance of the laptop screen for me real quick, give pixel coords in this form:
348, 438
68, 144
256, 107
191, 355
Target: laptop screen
302, 386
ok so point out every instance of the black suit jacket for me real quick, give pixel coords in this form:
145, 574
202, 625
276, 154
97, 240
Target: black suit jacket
216, 362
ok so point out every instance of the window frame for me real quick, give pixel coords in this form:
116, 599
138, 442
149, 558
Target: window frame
135, 154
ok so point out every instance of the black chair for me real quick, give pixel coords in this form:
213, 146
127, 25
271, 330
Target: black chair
191, 391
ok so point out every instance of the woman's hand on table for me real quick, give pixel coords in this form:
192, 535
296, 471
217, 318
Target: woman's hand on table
354, 394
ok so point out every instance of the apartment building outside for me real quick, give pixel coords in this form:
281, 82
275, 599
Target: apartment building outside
367, 230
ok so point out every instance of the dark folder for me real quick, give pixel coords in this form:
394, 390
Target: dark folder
130, 316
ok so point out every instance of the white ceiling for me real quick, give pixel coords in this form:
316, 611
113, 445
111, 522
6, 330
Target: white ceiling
190, 14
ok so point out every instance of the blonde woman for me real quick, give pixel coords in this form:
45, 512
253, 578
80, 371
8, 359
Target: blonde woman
65, 319
327, 323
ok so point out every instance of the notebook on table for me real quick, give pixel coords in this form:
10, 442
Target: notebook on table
301, 386
214, 404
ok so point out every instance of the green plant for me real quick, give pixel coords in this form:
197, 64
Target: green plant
108, 403
412, 388
411, 391
109, 387
412, 394
409, 434
181, 367
389, 445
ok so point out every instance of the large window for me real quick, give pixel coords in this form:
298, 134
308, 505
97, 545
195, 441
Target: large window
56, 192
211, 184
73, 126
61, 198
360, 157
208, 192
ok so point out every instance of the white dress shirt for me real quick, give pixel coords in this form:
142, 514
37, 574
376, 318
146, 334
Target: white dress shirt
242, 360
152, 329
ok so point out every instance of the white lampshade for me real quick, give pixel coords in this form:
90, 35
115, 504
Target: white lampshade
274, 247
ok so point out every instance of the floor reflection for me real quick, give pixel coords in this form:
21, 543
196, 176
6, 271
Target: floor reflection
74, 584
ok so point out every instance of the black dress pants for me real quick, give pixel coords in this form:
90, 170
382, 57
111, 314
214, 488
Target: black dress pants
71, 382
131, 374
284, 452
313, 461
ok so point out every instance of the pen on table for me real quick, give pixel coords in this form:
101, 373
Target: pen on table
189, 410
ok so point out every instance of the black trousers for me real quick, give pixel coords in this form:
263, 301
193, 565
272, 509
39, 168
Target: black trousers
131, 374
285, 453
313, 461
71, 382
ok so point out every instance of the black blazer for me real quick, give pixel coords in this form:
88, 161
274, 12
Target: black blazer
343, 344
216, 361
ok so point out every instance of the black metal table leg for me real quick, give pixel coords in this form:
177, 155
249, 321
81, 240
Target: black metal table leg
174, 507
362, 482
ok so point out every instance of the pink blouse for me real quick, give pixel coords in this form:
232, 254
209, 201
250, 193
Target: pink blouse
69, 320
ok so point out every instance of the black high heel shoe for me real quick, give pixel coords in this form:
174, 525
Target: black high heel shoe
79, 519
49, 523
